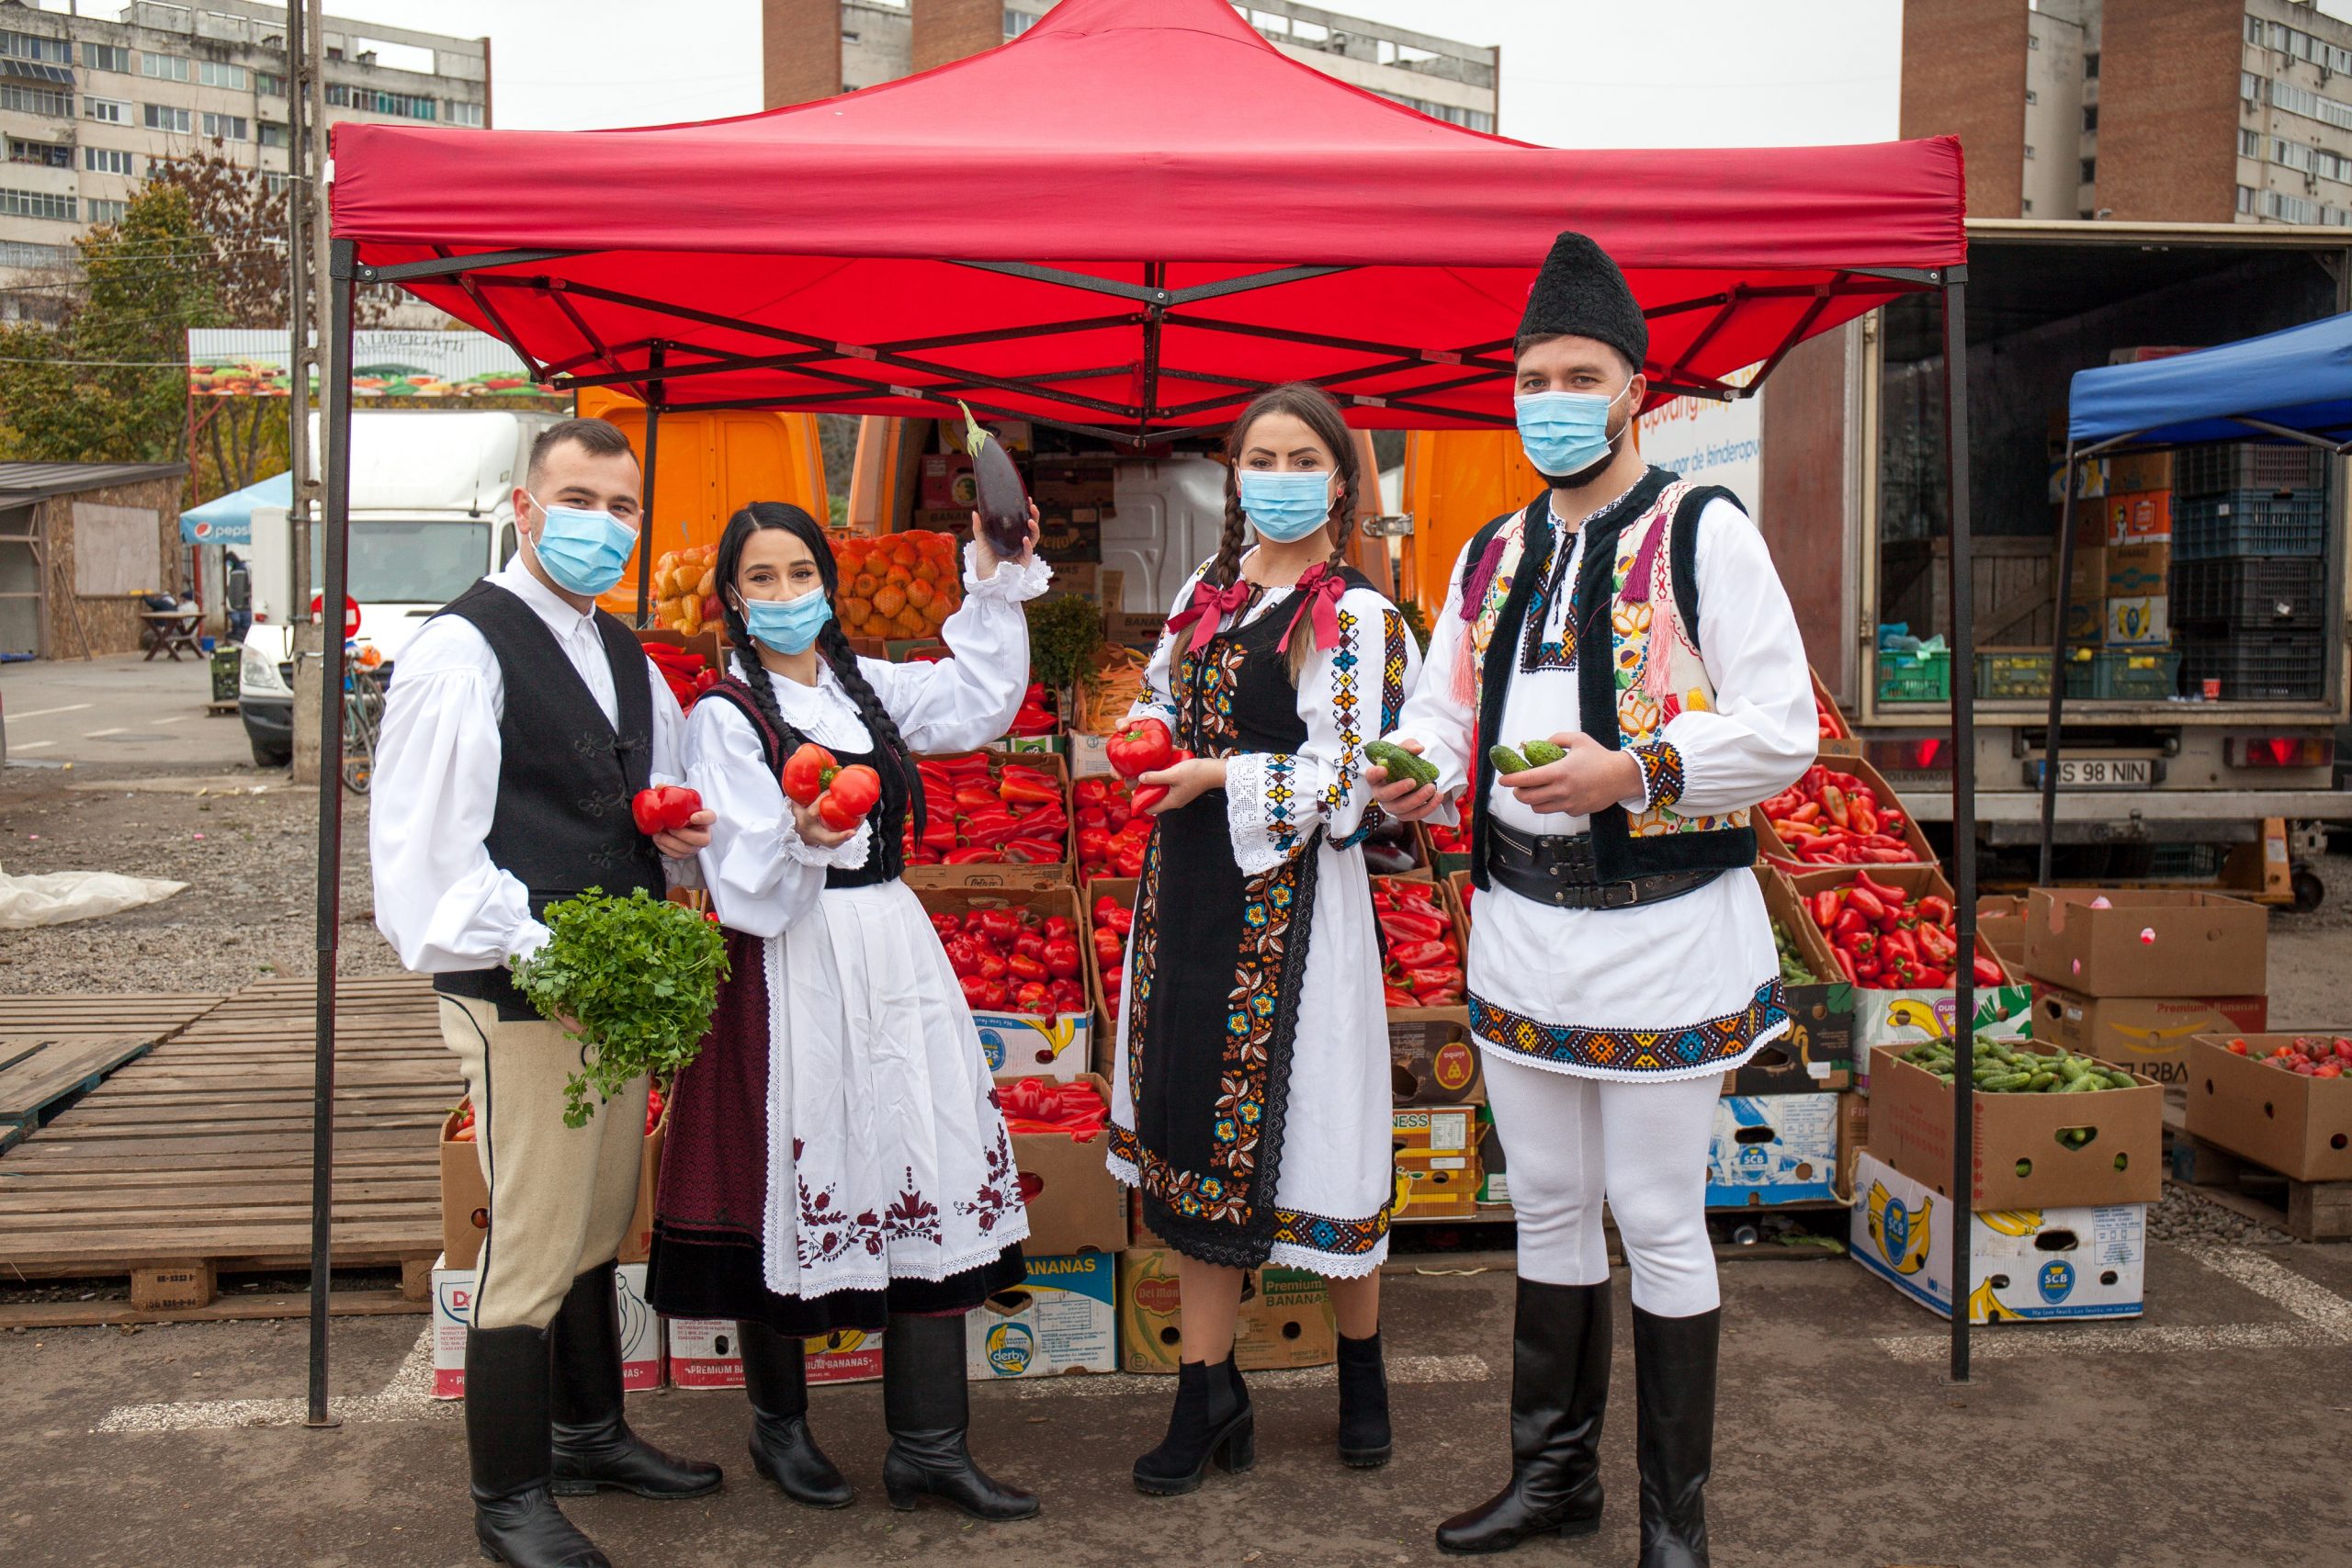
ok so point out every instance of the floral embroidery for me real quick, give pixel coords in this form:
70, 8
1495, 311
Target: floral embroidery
1207, 681
1320, 1233
913, 1217
1343, 715
1638, 713
1661, 770
1392, 705
1677, 1050
999, 1188
1279, 798
1536, 651
825, 1232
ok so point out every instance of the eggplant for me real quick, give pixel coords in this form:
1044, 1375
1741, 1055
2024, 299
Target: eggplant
1002, 502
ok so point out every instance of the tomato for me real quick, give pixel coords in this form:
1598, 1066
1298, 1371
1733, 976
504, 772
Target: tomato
805, 772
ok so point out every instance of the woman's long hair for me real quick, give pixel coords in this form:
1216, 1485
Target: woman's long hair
1315, 408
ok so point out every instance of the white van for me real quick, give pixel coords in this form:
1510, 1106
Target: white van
432, 494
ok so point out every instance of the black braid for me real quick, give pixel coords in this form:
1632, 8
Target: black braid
833, 643
1226, 567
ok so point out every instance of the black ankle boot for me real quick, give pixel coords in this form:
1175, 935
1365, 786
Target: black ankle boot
1674, 1392
593, 1447
1212, 1417
926, 1405
1364, 1404
515, 1519
1559, 1391
775, 1376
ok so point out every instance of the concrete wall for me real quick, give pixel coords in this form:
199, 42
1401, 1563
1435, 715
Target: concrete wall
2168, 109
1963, 75
2054, 118
109, 624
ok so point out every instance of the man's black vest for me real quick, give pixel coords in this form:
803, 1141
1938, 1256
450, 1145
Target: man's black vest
566, 775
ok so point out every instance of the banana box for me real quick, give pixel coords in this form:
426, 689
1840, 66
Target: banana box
1285, 1319
705, 1353
1773, 1148
2025, 1265
1904, 1019
452, 1313
1063, 1318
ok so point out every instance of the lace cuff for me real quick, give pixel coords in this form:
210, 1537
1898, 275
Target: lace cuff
1011, 582
1263, 812
847, 855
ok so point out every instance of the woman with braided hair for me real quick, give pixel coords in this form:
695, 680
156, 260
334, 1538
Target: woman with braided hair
836, 1159
1250, 1098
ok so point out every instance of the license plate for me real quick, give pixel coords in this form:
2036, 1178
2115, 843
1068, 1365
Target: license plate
2094, 773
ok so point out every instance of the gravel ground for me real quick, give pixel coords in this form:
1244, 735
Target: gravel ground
2187, 1215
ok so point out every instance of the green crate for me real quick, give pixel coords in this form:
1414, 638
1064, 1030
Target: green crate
224, 672
2139, 675
2016, 672
1915, 677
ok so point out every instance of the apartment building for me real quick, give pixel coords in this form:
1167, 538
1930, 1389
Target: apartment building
89, 107
814, 48
2210, 111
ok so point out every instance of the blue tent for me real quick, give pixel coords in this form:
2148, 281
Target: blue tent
2294, 385
229, 519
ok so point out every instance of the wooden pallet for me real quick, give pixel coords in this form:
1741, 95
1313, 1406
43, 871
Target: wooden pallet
194, 1160
40, 1074
156, 1015
2308, 1210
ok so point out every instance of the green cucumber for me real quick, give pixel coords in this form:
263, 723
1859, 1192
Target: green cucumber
1400, 763
1507, 760
1538, 752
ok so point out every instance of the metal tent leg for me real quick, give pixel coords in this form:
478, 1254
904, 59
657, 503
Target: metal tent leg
1964, 809
2057, 670
653, 390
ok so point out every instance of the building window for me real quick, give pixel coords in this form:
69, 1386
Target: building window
1018, 22
226, 127
2032, 96
2033, 40
36, 100
164, 67
2091, 67
2090, 171
272, 182
107, 57
164, 116
2249, 88
2028, 204
270, 83
219, 74
2249, 143
345, 95
2245, 199
272, 134
849, 36
106, 212
106, 160
2289, 209
2085, 214
2029, 149
37, 203
2309, 105
2090, 116
46, 155
112, 111
464, 113
34, 46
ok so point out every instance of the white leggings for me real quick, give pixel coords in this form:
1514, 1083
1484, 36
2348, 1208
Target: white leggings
1571, 1139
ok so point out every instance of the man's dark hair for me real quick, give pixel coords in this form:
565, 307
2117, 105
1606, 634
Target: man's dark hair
599, 437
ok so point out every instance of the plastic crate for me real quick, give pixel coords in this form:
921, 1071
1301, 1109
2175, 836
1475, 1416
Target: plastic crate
2216, 470
1915, 677
2013, 672
2196, 863
2249, 523
2135, 675
2250, 593
2278, 667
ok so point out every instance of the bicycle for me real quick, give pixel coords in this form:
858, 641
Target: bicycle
363, 713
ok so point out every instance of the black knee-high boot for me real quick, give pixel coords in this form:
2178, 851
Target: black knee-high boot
1674, 1391
593, 1447
1559, 1391
1212, 1417
926, 1405
775, 1376
1364, 1439
515, 1516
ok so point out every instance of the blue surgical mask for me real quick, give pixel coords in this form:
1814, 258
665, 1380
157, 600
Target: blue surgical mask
788, 625
1564, 433
1284, 507
584, 552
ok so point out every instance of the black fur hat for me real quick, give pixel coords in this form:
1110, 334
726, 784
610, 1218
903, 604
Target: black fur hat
1580, 292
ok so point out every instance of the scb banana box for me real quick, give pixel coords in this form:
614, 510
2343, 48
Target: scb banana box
453, 1312
2024, 1264
1773, 1148
705, 1352
1063, 1318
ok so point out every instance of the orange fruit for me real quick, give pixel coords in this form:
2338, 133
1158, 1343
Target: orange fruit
919, 593
866, 585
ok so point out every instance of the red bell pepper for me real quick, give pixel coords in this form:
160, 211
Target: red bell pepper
1031, 786
971, 854
1143, 746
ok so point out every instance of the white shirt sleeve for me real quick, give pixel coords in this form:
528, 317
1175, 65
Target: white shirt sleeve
1762, 733
762, 875
1157, 699
969, 698
1444, 722
1274, 800
439, 900
669, 766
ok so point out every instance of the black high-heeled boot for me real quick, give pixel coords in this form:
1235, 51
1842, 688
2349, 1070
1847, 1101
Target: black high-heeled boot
1559, 1391
1212, 1419
775, 1376
926, 1405
516, 1517
1364, 1439
593, 1447
1674, 1393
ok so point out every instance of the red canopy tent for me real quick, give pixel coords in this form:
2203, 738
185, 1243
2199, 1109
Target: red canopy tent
1126, 222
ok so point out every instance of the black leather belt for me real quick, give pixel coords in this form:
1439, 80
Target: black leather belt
1559, 870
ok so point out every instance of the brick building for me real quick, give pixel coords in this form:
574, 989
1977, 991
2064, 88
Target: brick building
2210, 111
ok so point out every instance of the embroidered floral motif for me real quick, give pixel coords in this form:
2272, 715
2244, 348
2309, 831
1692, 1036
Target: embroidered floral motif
913, 1217
1391, 704
1209, 680
825, 1232
1320, 1233
1631, 1050
1661, 770
1280, 798
1000, 1192
1343, 715
1144, 939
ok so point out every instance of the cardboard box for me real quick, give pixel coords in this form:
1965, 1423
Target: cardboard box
2138, 570
2146, 942
1494, 1166
1436, 1161
1022, 1045
1817, 1053
2090, 479
2031, 1264
2140, 471
1075, 1204
2017, 1161
2087, 619
1286, 1317
1853, 1136
1432, 1059
1004, 877
2000, 920
2298, 1127
2142, 621
1905, 1018
2087, 580
946, 484
704, 1353
2148, 1035
1063, 1318
1773, 1148
1088, 755
453, 1309
2139, 517
465, 1197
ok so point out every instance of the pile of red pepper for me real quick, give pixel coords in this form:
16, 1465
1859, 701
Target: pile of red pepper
2306, 1055
1041, 1105
1832, 726
688, 675
1113, 921
1420, 953
1111, 833
1832, 818
1454, 840
1034, 717
979, 808
1885, 940
1012, 960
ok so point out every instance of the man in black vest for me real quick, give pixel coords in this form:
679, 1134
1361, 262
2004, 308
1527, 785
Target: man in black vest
522, 721
1622, 960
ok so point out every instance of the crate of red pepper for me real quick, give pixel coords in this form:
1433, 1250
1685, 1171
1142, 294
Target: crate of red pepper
688, 665
1018, 957
2281, 1100
991, 819
1111, 911
1844, 814
1075, 1204
1892, 933
465, 1194
1449, 848
1420, 944
1111, 834
1836, 735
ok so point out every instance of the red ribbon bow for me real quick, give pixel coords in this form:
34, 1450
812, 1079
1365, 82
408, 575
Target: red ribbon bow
1320, 589
1211, 604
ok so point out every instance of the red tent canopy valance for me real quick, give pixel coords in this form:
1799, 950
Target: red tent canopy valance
1128, 220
